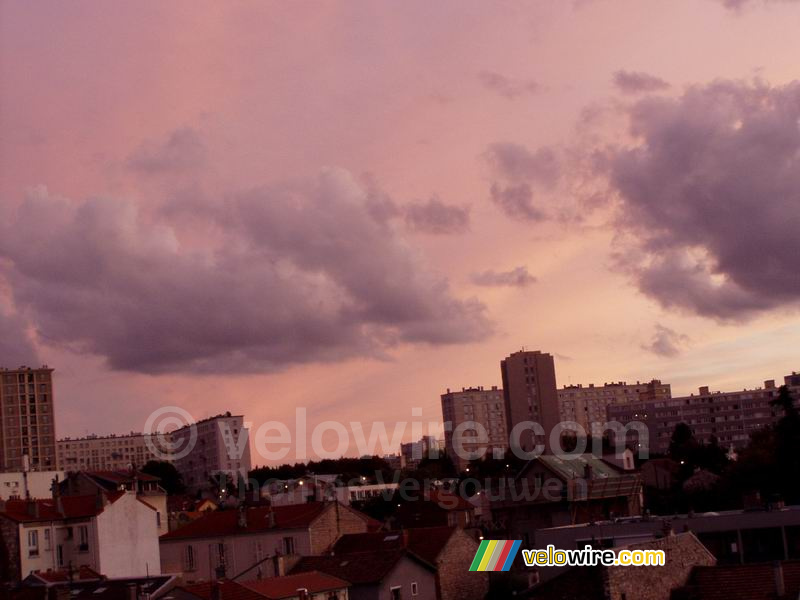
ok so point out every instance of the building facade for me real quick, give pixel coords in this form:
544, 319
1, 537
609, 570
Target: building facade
530, 394
255, 540
27, 424
729, 416
474, 405
587, 404
106, 453
204, 449
80, 531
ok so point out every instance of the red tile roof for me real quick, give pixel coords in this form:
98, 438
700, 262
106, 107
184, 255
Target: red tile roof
358, 568
277, 588
63, 575
74, 507
230, 590
226, 522
425, 542
742, 582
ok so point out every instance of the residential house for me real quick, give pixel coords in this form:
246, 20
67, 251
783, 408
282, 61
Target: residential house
113, 533
435, 508
241, 543
146, 486
394, 574
450, 549
551, 491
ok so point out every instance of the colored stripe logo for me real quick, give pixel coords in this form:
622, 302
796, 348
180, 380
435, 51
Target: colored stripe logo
495, 555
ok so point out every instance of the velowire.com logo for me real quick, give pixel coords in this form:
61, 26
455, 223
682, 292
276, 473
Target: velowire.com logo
495, 555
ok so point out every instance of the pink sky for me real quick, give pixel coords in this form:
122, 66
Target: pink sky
191, 200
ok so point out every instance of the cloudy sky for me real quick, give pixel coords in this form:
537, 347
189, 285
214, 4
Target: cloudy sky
352, 206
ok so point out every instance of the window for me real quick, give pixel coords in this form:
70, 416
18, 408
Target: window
288, 545
189, 559
33, 543
83, 538
397, 593
414, 588
47, 539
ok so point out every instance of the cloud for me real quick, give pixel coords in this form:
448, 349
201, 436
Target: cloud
506, 87
436, 217
296, 274
636, 82
739, 4
516, 201
518, 164
666, 342
517, 277
181, 151
517, 172
16, 348
710, 198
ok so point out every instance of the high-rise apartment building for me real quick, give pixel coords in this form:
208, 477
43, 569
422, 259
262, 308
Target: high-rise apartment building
729, 416
221, 445
27, 424
108, 452
587, 404
478, 405
530, 394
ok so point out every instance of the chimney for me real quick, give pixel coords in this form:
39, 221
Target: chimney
777, 572
769, 384
704, 390
100, 499
242, 520
279, 565
32, 507
56, 491
587, 471
216, 591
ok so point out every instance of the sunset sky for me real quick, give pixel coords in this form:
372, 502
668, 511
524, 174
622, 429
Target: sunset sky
352, 206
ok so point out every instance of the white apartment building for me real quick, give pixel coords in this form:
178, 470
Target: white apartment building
474, 405
587, 404
106, 453
219, 444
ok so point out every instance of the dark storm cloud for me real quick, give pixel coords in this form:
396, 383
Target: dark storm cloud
666, 342
517, 277
711, 198
16, 348
636, 82
300, 273
182, 150
507, 87
436, 217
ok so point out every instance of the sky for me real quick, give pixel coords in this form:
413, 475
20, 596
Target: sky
352, 206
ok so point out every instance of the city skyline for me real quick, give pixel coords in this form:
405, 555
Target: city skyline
492, 195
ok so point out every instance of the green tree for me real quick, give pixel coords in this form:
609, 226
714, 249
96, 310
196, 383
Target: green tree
171, 479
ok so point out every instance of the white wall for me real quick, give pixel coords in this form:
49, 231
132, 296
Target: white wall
128, 539
12, 484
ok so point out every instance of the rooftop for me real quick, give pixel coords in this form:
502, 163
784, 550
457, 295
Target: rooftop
277, 588
226, 522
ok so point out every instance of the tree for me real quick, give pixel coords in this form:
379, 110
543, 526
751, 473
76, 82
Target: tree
171, 479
